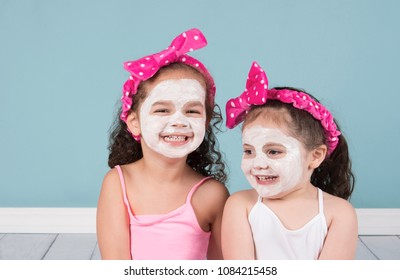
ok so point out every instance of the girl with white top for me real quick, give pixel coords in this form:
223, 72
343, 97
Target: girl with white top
297, 161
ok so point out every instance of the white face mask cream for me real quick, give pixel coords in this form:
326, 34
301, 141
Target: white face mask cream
272, 161
173, 117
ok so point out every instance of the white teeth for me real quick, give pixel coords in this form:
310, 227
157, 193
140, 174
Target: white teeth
175, 138
266, 178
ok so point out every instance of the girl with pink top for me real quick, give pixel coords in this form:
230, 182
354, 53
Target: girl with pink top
297, 161
164, 196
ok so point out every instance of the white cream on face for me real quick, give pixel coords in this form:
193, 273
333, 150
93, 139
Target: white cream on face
261, 165
176, 131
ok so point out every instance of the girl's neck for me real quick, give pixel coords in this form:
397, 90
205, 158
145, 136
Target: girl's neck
163, 169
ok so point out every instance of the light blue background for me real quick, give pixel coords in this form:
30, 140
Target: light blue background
61, 76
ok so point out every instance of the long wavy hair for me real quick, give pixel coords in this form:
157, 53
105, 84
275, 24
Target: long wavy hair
334, 174
206, 159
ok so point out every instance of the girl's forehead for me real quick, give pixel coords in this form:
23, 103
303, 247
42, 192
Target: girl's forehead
175, 74
177, 90
264, 122
256, 133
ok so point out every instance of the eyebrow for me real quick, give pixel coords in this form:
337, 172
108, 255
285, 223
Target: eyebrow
163, 103
273, 144
265, 145
194, 103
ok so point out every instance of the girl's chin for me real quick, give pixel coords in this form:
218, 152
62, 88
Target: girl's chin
268, 192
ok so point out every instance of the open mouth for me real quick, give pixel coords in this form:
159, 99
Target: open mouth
176, 140
266, 179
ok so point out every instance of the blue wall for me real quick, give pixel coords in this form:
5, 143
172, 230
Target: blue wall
61, 77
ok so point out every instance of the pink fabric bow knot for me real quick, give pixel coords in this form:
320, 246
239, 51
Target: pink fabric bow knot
257, 93
146, 67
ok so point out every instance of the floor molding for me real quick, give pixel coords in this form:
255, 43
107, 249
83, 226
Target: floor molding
377, 221
48, 220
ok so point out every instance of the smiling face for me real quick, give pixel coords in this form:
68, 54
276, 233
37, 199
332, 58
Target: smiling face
273, 162
173, 116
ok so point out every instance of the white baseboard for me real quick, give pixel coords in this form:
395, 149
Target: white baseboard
385, 221
48, 220
382, 221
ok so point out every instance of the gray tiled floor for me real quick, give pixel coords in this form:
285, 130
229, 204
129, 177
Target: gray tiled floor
378, 247
17, 246
20, 246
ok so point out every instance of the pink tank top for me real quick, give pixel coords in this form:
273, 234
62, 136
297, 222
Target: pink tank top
176, 235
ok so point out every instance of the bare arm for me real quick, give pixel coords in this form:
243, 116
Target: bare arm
237, 239
219, 196
341, 240
112, 220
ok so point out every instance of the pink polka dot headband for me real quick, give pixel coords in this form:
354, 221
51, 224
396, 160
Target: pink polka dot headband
257, 93
146, 67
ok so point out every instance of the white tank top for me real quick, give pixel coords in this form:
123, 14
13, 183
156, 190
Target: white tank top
273, 241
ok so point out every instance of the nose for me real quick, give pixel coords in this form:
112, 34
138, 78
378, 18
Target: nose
260, 162
179, 125
178, 120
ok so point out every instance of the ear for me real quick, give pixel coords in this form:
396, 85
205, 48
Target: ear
133, 123
317, 156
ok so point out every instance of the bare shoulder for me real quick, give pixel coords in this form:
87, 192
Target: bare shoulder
334, 203
212, 191
208, 202
111, 186
243, 199
338, 208
111, 180
111, 176
244, 196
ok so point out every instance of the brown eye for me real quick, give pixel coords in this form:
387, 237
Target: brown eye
161, 110
274, 153
193, 112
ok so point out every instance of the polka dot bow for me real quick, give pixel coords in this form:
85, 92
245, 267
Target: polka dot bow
257, 93
146, 67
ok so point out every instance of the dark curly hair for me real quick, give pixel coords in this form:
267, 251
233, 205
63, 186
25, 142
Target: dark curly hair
334, 174
206, 159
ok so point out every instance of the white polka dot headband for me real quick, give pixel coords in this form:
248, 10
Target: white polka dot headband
257, 93
146, 67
